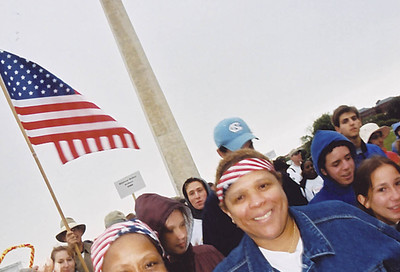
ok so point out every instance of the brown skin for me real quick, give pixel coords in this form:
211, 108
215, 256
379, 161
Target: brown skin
309, 171
133, 252
258, 205
264, 210
237, 156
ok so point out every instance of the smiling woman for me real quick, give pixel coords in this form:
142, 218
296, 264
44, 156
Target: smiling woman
377, 186
296, 238
63, 259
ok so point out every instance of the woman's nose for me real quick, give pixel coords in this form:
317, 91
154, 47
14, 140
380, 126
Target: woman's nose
256, 200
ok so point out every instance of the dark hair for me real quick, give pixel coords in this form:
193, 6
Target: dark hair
55, 250
280, 164
362, 182
340, 110
197, 214
223, 149
306, 160
193, 179
328, 149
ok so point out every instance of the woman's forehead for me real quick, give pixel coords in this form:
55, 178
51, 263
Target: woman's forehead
253, 177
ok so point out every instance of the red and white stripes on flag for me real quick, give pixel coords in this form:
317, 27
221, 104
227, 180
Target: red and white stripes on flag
51, 111
74, 125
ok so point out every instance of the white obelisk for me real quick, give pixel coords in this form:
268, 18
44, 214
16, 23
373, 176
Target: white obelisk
172, 146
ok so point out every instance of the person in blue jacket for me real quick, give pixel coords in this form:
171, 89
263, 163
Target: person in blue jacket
331, 236
396, 131
347, 121
333, 155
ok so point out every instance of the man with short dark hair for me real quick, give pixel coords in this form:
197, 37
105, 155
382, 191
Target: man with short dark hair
347, 121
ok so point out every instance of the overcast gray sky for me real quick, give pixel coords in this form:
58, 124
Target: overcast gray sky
277, 64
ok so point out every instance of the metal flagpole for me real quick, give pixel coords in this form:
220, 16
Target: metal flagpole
172, 146
3, 87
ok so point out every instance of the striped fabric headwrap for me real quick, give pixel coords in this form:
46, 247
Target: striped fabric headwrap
239, 169
104, 241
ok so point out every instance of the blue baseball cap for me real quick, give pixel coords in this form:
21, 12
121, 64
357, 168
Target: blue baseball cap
232, 133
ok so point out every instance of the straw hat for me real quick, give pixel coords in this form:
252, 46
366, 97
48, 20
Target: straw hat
72, 224
368, 129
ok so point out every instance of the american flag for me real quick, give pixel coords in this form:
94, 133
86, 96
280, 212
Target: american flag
53, 112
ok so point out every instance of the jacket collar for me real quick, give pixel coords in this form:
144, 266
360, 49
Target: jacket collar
314, 241
315, 244
334, 187
253, 256
86, 246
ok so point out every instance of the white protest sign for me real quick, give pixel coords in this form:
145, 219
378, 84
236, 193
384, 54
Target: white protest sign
129, 184
271, 154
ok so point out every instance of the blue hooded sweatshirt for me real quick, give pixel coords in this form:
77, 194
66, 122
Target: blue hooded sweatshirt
331, 190
395, 126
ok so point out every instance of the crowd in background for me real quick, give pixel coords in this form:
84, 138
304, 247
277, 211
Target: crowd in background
337, 210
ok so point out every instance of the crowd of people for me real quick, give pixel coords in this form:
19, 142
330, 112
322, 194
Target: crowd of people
338, 210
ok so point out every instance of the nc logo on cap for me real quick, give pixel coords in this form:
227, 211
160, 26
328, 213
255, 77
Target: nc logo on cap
235, 127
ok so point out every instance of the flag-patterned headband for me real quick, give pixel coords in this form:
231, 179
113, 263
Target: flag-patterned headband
104, 241
240, 169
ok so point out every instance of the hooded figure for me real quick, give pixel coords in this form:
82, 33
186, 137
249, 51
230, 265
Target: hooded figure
323, 144
395, 144
198, 190
197, 213
155, 210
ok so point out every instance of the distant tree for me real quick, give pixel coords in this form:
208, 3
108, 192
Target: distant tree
306, 140
323, 123
394, 108
389, 122
380, 119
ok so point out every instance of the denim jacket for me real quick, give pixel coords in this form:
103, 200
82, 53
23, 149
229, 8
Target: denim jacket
336, 237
